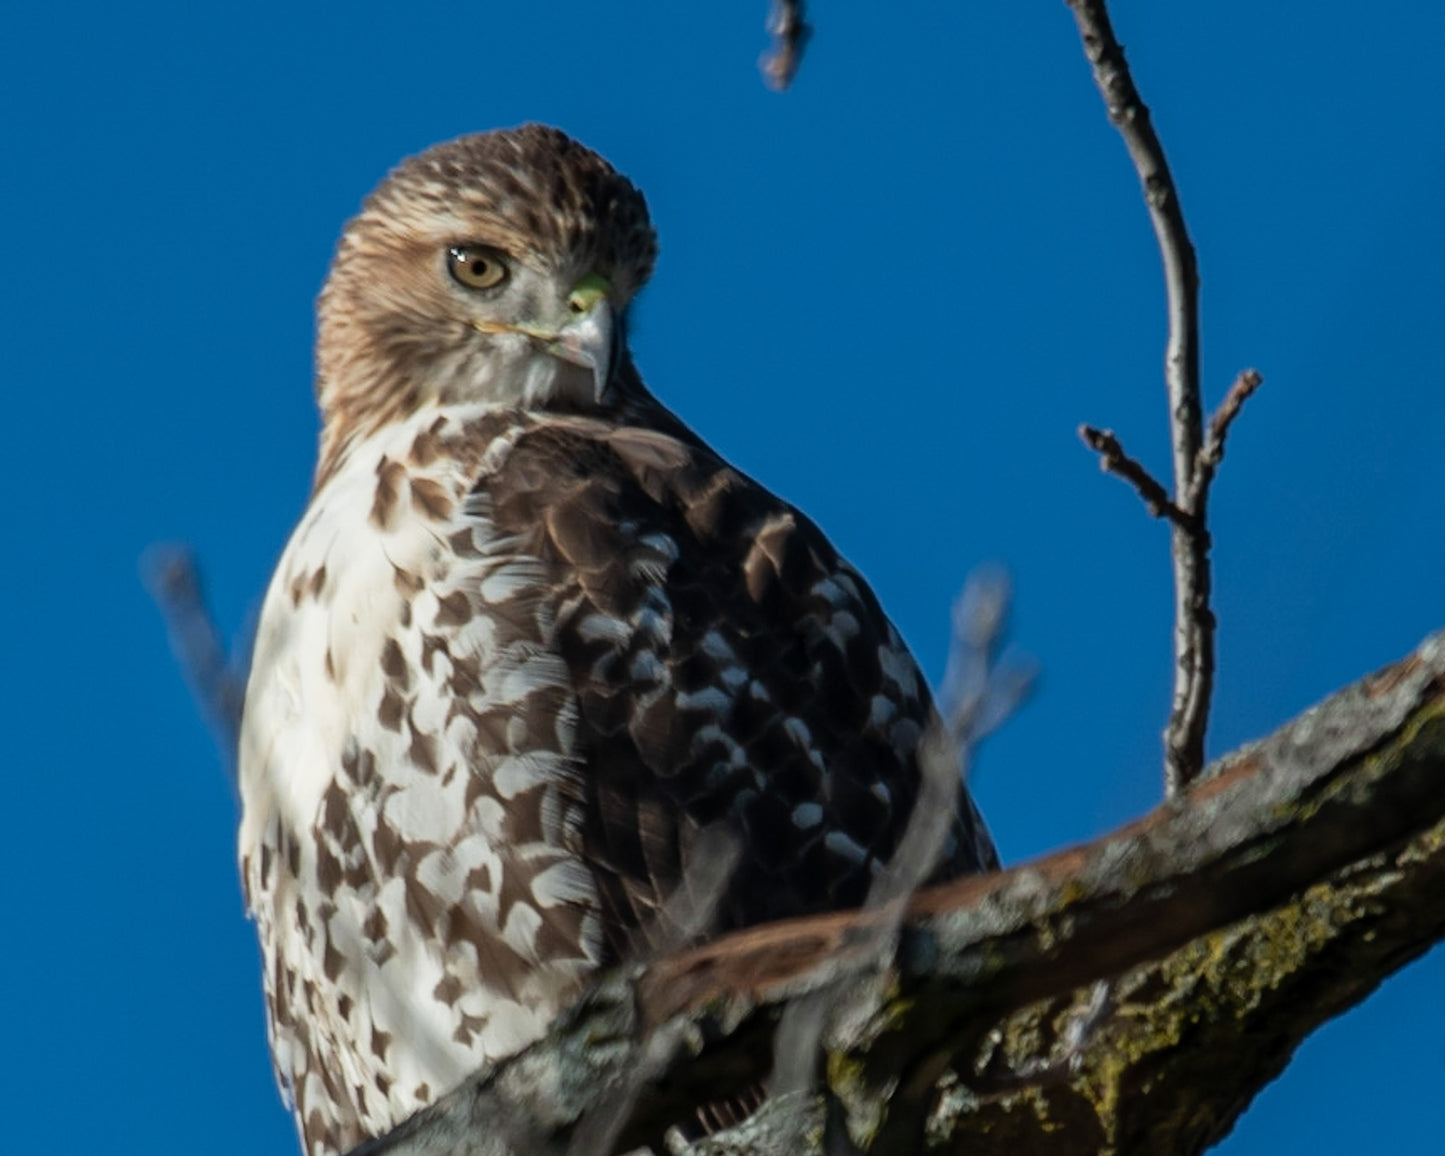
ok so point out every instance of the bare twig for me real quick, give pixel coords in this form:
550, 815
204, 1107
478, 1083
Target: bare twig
1212, 452
217, 681
686, 914
1113, 460
691, 908
1194, 459
790, 30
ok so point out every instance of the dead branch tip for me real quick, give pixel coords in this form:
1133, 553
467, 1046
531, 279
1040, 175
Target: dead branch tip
790, 30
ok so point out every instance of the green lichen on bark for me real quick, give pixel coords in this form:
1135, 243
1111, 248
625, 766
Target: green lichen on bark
1191, 1038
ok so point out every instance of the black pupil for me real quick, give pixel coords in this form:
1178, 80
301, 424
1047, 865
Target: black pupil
474, 266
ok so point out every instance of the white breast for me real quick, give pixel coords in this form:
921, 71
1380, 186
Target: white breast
380, 847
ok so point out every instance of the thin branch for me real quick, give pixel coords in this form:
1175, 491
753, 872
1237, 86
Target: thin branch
1113, 460
217, 680
1128, 113
1193, 618
790, 30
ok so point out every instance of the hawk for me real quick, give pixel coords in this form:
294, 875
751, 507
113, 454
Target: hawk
530, 639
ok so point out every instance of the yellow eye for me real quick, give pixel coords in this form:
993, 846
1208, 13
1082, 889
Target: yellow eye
476, 266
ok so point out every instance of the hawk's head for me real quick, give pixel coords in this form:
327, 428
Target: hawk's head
495, 267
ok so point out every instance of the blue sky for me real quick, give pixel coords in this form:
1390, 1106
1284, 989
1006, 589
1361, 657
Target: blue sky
891, 295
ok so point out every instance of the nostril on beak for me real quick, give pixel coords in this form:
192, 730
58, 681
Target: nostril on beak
586, 294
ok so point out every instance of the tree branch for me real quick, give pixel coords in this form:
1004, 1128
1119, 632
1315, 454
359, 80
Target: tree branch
790, 30
1113, 460
1193, 465
1237, 916
217, 679
1212, 452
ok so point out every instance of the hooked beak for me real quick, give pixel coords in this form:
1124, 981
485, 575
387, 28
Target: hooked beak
590, 339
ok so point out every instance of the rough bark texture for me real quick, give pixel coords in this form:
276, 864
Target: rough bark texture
1280, 889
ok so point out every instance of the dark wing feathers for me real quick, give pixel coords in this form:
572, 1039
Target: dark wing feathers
728, 665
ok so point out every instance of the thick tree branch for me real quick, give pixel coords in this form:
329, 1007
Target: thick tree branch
1237, 916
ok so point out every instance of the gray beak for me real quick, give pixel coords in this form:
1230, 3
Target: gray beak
590, 341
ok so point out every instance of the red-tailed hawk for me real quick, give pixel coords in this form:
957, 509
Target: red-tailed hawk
530, 638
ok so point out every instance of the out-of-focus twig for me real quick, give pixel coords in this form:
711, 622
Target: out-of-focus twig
687, 914
1194, 462
217, 680
981, 689
790, 30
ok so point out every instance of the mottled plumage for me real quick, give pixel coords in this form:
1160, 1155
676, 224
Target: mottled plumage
530, 638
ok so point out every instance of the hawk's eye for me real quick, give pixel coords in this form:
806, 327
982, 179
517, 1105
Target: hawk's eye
476, 266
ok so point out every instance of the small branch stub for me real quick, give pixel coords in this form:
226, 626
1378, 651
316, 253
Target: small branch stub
1212, 452
1113, 460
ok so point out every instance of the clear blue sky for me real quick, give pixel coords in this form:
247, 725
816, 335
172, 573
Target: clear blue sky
891, 294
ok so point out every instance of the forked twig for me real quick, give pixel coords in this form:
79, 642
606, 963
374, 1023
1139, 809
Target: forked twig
1194, 457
